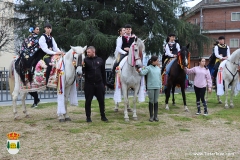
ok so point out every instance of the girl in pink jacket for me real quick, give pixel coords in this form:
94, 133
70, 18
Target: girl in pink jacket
202, 79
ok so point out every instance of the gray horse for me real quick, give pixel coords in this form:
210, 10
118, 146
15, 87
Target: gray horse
129, 77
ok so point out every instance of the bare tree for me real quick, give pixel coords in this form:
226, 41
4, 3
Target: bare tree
6, 23
5, 36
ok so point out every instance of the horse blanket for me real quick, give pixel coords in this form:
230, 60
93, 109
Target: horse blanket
39, 77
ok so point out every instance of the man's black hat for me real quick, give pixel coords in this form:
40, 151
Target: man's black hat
221, 37
171, 34
128, 26
47, 25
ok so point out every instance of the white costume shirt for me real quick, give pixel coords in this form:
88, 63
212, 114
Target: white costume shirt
216, 52
119, 45
167, 49
44, 46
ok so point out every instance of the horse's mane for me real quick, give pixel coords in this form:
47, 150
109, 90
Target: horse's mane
235, 56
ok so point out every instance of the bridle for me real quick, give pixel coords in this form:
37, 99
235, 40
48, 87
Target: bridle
230, 71
134, 59
180, 60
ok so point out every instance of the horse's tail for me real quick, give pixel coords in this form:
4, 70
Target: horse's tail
11, 79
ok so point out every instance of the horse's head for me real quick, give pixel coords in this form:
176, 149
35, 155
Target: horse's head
136, 52
78, 56
183, 56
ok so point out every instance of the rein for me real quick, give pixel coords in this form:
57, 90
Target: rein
231, 72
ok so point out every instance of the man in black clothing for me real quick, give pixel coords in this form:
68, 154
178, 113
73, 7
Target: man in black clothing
95, 81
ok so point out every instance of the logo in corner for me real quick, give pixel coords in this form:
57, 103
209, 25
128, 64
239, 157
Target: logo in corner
13, 144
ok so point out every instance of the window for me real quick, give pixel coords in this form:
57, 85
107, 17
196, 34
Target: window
235, 16
234, 43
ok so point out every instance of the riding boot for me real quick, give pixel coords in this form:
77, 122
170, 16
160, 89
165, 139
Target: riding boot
198, 108
111, 80
205, 109
150, 105
156, 112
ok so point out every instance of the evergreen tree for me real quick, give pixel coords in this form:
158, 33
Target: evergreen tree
95, 22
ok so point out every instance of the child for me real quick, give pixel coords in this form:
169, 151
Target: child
154, 85
201, 80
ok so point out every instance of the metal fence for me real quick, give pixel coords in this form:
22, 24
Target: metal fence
47, 94
50, 92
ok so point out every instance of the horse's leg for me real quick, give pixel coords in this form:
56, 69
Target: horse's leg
234, 84
218, 97
134, 103
116, 107
226, 94
23, 95
184, 96
15, 94
124, 89
167, 95
66, 95
173, 91
128, 106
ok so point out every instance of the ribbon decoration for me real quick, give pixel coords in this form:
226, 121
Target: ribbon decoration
60, 85
133, 57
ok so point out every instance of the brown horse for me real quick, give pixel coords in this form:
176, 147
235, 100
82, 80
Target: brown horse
177, 76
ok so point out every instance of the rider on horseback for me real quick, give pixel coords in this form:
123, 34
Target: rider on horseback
123, 45
28, 58
222, 52
171, 50
49, 46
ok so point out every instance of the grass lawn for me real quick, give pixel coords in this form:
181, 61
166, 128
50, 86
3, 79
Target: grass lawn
178, 134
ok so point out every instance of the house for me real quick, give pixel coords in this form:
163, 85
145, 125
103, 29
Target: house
217, 18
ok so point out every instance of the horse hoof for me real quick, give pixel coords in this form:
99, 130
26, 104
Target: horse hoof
173, 104
27, 116
115, 110
226, 106
61, 120
126, 119
186, 110
231, 106
16, 118
135, 118
68, 119
167, 108
220, 102
129, 110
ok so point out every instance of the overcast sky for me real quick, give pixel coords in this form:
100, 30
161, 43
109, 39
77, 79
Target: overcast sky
192, 3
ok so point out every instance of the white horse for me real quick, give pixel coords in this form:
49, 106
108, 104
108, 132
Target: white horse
129, 77
69, 59
230, 75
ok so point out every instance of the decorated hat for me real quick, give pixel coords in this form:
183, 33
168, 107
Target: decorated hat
47, 25
171, 34
128, 26
221, 37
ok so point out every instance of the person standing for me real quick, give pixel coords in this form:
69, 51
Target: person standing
123, 45
202, 79
95, 81
49, 46
154, 85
